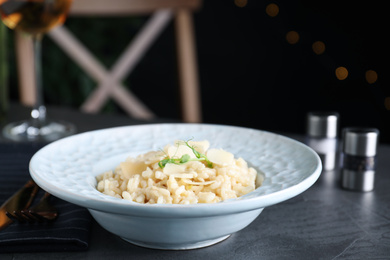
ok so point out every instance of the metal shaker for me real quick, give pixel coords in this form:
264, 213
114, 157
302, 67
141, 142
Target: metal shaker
359, 158
321, 131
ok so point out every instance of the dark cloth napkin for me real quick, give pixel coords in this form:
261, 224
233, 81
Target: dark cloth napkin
70, 232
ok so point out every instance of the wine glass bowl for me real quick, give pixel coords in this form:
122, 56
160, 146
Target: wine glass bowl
34, 18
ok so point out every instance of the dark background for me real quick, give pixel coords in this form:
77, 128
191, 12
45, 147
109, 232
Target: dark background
268, 83
249, 74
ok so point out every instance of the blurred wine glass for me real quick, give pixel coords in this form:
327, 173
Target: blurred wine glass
35, 18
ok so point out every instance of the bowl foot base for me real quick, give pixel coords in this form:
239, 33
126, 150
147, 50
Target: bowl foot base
184, 246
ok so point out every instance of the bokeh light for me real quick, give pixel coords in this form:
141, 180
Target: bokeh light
387, 103
371, 76
292, 37
318, 47
272, 10
341, 73
241, 3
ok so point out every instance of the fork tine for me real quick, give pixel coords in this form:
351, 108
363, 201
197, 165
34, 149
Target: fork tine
19, 215
11, 216
32, 217
15, 215
44, 209
41, 212
43, 216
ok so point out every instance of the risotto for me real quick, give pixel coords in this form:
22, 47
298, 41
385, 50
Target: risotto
185, 172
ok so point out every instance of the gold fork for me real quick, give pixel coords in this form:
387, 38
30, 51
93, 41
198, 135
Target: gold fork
43, 211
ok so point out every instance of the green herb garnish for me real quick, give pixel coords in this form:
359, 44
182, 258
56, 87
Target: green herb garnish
186, 158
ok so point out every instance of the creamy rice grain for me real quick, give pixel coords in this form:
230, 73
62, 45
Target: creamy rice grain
183, 173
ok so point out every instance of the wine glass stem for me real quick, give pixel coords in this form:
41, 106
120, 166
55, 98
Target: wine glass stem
38, 112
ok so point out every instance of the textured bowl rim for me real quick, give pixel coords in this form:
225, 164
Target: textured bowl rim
114, 205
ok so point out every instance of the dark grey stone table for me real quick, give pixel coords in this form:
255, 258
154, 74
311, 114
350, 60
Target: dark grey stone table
324, 222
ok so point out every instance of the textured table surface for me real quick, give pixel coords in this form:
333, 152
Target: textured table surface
324, 222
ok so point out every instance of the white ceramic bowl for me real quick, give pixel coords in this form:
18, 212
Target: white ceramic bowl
67, 169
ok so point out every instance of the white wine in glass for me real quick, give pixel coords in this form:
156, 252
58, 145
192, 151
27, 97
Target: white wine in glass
36, 17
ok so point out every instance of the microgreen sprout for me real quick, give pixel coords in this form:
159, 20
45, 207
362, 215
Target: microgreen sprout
186, 158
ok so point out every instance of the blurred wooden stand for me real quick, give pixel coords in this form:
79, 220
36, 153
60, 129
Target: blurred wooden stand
109, 81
